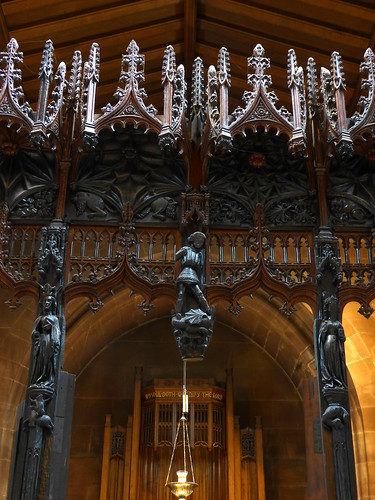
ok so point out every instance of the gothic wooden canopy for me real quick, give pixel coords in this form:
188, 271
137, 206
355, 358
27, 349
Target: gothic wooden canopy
194, 28
108, 182
78, 149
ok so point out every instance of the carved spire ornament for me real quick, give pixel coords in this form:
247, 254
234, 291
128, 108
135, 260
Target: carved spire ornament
90, 81
75, 81
57, 96
260, 109
362, 129
174, 100
166, 139
333, 91
197, 101
12, 103
130, 107
224, 139
297, 89
45, 77
47, 114
312, 83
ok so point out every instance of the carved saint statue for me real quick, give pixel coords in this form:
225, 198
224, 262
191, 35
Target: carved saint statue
331, 344
46, 342
191, 272
194, 318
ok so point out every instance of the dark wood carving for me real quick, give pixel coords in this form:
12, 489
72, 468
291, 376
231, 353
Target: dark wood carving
127, 166
256, 184
193, 320
13, 107
32, 454
332, 379
259, 169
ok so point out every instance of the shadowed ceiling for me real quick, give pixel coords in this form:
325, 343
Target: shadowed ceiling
313, 28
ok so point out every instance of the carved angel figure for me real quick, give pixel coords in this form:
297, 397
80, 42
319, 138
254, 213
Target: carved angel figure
46, 341
331, 344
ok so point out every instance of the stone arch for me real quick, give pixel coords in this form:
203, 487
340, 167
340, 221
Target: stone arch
270, 358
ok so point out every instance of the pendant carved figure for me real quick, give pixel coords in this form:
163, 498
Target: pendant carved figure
38, 414
194, 318
46, 337
331, 344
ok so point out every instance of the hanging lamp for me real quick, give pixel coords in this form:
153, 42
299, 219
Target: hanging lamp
182, 488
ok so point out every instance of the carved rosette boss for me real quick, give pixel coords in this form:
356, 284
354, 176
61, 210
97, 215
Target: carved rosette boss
193, 320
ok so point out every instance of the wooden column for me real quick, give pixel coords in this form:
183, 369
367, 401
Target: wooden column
127, 458
259, 458
230, 436
63, 173
210, 426
106, 457
237, 458
135, 434
317, 488
329, 338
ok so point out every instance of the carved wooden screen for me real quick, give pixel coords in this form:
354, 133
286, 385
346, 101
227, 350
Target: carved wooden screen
249, 473
161, 411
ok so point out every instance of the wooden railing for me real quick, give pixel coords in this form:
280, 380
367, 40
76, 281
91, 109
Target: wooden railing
94, 253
